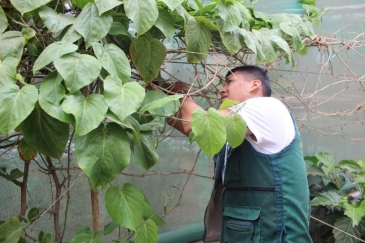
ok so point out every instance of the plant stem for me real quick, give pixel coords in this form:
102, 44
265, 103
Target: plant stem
95, 209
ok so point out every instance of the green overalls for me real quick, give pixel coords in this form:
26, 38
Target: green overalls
264, 198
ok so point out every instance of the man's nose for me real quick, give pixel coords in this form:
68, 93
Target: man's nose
222, 90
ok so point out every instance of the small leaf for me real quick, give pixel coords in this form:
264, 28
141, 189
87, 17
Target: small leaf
15, 174
209, 130
118, 97
26, 151
11, 231
88, 111
71, 35
25, 6
52, 89
3, 20
124, 205
143, 13
198, 40
92, 26
48, 135
53, 21
28, 33
148, 56
33, 214
15, 105
144, 152
106, 5
147, 232
103, 153
114, 60
328, 161
228, 103
12, 43
53, 52
45, 237
78, 70
159, 103
8, 71
355, 213
236, 129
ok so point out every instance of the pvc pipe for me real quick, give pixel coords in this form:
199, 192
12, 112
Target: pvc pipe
187, 234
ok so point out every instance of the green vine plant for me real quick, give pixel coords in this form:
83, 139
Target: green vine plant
84, 72
339, 189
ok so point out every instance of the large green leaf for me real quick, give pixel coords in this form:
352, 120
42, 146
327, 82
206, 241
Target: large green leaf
8, 71
92, 26
114, 60
209, 130
158, 104
143, 13
85, 235
124, 205
53, 52
330, 198
25, 6
105, 5
266, 45
231, 40
15, 105
148, 56
172, 4
52, 88
3, 21
198, 39
354, 212
328, 161
236, 129
55, 111
123, 100
78, 70
144, 152
71, 35
150, 213
129, 123
88, 111
292, 30
230, 15
345, 225
11, 231
103, 153
283, 45
54, 21
252, 43
165, 23
12, 43
45, 133
147, 232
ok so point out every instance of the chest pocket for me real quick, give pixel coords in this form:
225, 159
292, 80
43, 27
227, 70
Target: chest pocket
241, 224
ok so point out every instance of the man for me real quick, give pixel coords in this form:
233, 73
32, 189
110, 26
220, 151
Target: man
260, 192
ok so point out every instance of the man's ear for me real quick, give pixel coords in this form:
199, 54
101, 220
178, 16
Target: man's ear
256, 85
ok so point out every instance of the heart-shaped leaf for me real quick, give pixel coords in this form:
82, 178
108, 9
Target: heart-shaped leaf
143, 13
103, 153
198, 39
15, 105
53, 52
209, 130
12, 43
165, 23
88, 111
105, 5
55, 111
124, 205
25, 6
53, 21
92, 26
45, 133
11, 230
159, 104
8, 71
3, 20
78, 70
144, 152
52, 89
123, 100
114, 60
236, 129
147, 232
148, 56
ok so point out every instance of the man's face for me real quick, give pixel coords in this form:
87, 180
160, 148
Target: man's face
235, 88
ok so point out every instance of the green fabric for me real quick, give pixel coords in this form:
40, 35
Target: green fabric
269, 191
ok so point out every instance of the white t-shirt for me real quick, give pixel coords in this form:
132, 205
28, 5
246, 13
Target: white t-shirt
269, 120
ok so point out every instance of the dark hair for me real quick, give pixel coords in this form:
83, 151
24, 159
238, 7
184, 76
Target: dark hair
252, 73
